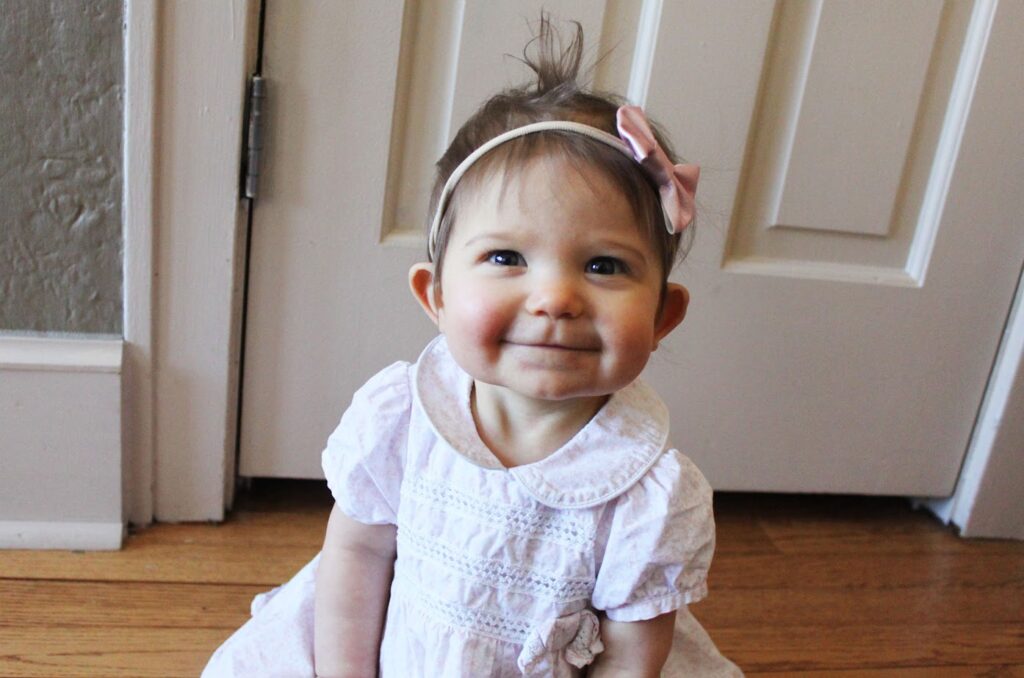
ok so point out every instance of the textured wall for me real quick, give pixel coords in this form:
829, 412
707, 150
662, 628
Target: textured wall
61, 83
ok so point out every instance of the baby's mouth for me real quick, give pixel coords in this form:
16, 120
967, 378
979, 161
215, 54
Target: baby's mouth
554, 345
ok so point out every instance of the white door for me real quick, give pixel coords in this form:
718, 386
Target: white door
857, 249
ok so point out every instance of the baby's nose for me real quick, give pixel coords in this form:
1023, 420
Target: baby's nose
555, 297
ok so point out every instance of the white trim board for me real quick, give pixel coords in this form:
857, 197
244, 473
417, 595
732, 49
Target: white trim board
988, 500
31, 534
60, 448
205, 52
138, 143
59, 353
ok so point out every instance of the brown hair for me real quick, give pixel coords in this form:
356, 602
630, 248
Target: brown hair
555, 95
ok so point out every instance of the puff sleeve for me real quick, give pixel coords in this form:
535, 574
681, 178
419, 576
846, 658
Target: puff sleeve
660, 539
364, 457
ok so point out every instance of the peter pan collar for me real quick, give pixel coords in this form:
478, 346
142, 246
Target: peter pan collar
603, 460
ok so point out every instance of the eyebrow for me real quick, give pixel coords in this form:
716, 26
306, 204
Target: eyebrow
613, 244
497, 235
601, 243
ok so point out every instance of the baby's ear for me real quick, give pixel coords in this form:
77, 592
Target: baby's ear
673, 310
421, 282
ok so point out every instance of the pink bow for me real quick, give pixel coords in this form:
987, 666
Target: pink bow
676, 183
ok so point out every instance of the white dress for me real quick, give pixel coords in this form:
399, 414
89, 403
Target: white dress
499, 571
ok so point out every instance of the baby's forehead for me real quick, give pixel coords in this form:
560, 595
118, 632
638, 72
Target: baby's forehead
549, 209
541, 181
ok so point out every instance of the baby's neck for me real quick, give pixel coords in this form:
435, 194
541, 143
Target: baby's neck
520, 430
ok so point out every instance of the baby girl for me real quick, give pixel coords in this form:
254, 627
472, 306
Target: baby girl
509, 504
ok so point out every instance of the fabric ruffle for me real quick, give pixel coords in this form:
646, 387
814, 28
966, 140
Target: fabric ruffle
363, 460
661, 540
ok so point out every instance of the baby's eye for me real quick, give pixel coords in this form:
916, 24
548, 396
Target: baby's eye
506, 258
606, 266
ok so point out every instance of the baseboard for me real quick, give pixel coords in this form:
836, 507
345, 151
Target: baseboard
60, 442
33, 534
58, 353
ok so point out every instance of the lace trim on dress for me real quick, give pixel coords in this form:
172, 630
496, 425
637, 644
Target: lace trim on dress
508, 629
539, 523
492, 573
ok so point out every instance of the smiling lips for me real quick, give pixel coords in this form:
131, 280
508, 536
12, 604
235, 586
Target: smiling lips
555, 346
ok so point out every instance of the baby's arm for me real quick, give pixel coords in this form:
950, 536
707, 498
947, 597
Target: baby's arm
352, 586
634, 649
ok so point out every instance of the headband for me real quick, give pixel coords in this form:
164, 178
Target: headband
677, 184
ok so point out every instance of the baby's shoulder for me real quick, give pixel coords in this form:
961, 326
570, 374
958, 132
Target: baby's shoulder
391, 386
673, 480
380, 405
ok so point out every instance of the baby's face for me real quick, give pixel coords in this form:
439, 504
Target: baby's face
551, 289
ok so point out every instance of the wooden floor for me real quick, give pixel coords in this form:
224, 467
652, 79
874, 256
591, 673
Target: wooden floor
808, 586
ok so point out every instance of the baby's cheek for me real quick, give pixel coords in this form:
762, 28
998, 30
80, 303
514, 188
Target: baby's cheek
479, 321
634, 348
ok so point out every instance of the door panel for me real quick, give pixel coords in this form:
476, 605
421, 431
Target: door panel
856, 250
844, 345
327, 301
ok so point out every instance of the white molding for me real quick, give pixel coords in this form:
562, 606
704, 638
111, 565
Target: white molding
205, 52
61, 442
31, 534
948, 148
60, 354
648, 25
987, 501
139, 146
820, 270
427, 73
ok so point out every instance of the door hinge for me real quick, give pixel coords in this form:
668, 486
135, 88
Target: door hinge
254, 137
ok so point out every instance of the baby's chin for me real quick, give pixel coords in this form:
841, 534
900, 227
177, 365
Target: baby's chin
546, 378
547, 392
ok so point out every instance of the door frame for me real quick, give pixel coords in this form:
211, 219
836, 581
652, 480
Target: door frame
986, 501
186, 66
200, 121
138, 149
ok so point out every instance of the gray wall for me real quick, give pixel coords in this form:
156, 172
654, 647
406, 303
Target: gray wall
61, 92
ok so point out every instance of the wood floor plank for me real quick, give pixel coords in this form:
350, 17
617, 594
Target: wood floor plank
48, 652
999, 671
855, 525
43, 603
882, 571
251, 548
745, 537
738, 608
197, 563
821, 536
243, 529
781, 648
